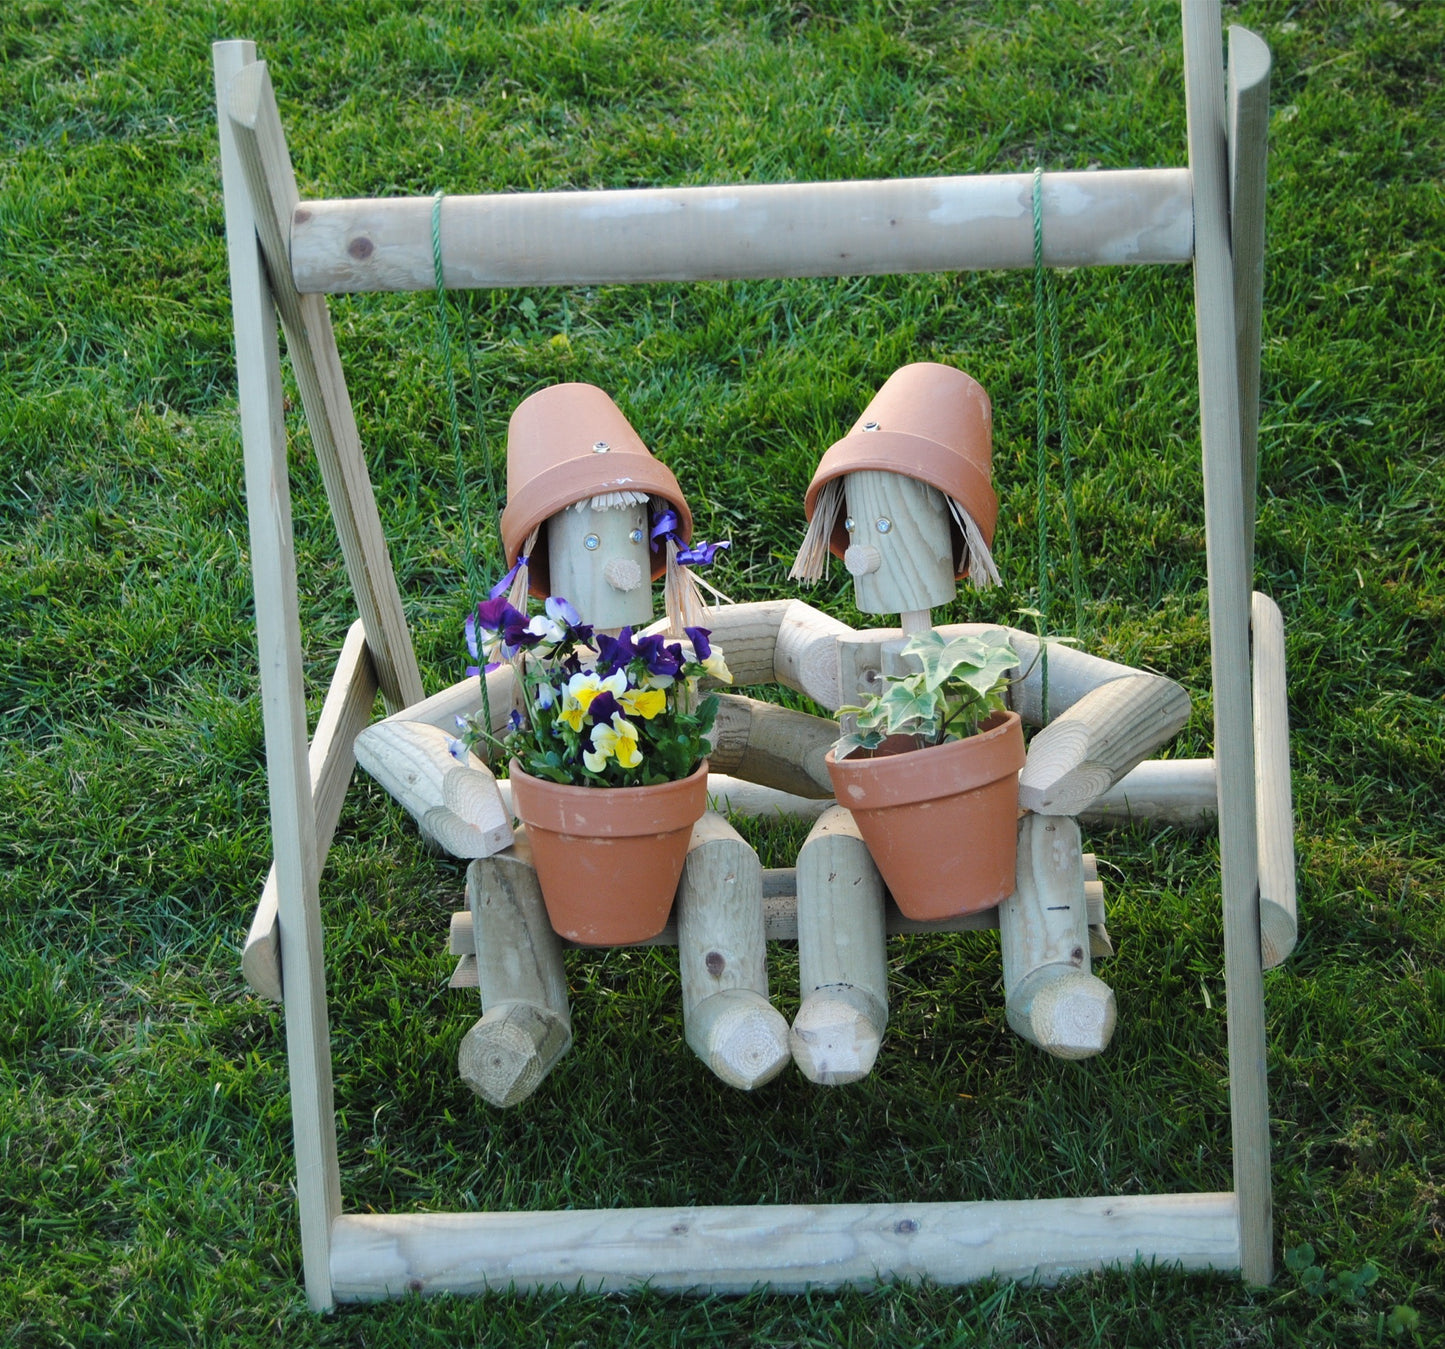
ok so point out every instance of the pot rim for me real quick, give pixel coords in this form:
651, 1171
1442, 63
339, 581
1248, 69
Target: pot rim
609, 812
933, 772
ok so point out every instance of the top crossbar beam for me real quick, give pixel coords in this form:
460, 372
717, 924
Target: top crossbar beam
975, 223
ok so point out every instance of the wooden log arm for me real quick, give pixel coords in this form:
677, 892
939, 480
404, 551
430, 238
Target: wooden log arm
1086, 750
771, 745
454, 800
349, 701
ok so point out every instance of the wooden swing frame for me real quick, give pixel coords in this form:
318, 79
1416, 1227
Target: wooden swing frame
286, 254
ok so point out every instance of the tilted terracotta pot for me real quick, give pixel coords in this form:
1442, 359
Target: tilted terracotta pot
931, 422
608, 859
941, 823
568, 443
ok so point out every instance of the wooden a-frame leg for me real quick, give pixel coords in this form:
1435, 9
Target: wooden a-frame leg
1228, 562
1051, 997
278, 633
526, 1023
722, 957
842, 955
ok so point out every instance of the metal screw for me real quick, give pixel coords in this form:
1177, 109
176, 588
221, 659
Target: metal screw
884, 524
601, 447
636, 536
848, 524
870, 426
592, 543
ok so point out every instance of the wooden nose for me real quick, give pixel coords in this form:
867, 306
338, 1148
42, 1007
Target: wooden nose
623, 574
862, 558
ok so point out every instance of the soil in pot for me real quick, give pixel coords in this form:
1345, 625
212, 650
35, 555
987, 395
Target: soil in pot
941, 823
608, 859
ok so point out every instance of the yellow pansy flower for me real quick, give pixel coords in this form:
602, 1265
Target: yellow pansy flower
644, 703
617, 741
582, 688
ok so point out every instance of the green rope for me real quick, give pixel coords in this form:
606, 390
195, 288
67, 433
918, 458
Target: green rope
454, 430
1041, 431
1046, 318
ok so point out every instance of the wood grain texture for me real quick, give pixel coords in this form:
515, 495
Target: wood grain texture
1278, 911
526, 1025
283, 704
1179, 792
347, 709
582, 574
722, 959
1084, 751
454, 801
786, 1248
842, 954
249, 109
464, 698
743, 231
910, 565
774, 746
1229, 590
1051, 997
1248, 100
806, 656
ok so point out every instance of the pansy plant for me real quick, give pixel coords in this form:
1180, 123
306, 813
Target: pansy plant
958, 684
597, 710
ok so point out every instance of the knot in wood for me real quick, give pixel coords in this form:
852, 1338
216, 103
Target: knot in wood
907, 1227
715, 964
361, 248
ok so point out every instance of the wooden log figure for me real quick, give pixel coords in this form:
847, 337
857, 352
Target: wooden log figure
906, 501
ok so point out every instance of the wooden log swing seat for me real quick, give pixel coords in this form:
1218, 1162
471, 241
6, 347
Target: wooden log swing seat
286, 255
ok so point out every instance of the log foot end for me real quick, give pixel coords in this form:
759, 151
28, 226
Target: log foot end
507, 1053
836, 1035
741, 1037
1065, 1011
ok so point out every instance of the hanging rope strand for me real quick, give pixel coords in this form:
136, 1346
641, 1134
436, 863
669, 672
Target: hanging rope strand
1041, 451
1066, 455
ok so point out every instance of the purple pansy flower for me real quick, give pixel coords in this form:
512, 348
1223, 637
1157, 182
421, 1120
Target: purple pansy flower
699, 639
615, 653
604, 707
661, 659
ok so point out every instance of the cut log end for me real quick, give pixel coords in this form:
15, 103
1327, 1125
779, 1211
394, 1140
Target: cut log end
1065, 1012
741, 1037
836, 1036
1278, 932
507, 1053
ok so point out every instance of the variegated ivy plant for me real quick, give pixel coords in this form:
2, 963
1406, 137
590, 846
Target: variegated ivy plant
959, 685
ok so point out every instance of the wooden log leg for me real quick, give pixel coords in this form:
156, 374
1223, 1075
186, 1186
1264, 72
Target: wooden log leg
842, 961
1052, 999
722, 955
526, 1024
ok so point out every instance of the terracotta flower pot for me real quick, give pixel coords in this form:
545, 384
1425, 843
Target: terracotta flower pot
931, 422
608, 859
941, 823
566, 443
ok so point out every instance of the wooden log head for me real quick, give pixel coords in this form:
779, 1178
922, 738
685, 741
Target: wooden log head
917, 507
599, 559
571, 444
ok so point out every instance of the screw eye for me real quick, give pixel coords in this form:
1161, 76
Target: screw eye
601, 447
592, 543
849, 524
636, 536
870, 426
884, 524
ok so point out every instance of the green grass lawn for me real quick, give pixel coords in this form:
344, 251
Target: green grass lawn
145, 1156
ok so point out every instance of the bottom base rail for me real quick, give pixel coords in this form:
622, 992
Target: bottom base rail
786, 1248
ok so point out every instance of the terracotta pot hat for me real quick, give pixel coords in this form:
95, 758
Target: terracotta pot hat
931, 422
565, 444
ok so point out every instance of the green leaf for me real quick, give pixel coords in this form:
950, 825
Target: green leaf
1402, 1320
